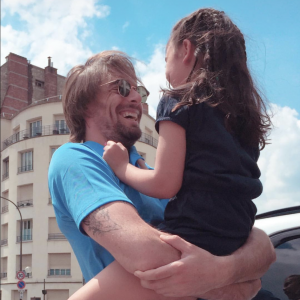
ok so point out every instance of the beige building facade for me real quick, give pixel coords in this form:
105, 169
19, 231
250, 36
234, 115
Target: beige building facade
32, 128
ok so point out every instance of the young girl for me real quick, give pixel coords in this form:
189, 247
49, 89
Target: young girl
210, 127
211, 124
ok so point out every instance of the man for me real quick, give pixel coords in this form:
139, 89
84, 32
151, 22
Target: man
104, 219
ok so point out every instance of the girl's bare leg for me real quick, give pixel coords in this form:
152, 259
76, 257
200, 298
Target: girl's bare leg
115, 283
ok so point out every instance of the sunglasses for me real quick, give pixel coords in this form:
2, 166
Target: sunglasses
124, 88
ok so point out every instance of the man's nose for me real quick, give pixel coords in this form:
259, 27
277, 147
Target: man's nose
134, 96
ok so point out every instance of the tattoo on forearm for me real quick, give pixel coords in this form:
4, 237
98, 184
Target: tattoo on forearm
99, 221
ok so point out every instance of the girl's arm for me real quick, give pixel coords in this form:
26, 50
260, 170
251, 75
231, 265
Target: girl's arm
166, 178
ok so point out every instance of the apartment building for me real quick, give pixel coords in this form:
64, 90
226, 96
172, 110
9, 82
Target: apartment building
32, 128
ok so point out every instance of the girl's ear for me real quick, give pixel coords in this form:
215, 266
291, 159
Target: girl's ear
189, 50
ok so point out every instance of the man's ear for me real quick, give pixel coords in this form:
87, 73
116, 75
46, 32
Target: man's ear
189, 50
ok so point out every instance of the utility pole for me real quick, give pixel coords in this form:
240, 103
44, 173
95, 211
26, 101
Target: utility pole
44, 290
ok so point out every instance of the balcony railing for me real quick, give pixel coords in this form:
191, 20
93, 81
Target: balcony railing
36, 132
25, 237
25, 168
25, 203
4, 209
5, 175
54, 130
56, 236
59, 272
3, 242
148, 139
3, 275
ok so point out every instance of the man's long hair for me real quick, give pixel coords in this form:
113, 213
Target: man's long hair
83, 83
223, 80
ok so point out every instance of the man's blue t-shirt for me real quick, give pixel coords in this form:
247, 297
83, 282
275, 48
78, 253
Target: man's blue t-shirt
80, 181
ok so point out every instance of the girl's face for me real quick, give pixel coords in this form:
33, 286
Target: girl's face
176, 70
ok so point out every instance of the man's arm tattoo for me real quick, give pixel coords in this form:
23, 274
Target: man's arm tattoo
99, 221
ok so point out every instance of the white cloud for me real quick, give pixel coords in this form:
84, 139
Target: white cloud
152, 74
125, 26
280, 162
12, 41
52, 28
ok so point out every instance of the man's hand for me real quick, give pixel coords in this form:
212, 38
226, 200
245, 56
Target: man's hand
196, 273
116, 155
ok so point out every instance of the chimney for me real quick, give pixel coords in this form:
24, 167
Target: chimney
145, 108
50, 80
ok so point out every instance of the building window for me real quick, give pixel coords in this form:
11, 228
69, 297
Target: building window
59, 272
57, 294
26, 162
39, 83
5, 168
59, 264
4, 234
25, 195
26, 231
16, 135
3, 267
61, 127
53, 230
4, 203
26, 262
35, 128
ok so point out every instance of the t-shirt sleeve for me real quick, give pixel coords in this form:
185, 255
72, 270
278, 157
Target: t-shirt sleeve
84, 182
164, 112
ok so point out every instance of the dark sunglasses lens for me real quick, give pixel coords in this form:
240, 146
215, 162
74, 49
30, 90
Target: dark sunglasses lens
143, 92
124, 88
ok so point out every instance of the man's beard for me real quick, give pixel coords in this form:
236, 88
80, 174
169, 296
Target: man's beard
126, 136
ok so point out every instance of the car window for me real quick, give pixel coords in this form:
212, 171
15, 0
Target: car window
287, 264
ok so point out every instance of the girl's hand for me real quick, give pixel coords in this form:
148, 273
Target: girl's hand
116, 155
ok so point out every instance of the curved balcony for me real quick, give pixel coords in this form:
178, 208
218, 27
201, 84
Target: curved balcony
53, 130
148, 139
37, 132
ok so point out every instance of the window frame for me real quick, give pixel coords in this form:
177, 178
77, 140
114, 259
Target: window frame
24, 162
5, 168
35, 128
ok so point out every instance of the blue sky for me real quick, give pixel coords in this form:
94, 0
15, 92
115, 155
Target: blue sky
271, 27
72, 30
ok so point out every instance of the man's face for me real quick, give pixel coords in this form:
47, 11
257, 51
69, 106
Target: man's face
118, 117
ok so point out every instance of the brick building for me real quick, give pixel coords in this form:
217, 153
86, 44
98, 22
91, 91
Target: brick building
23, 83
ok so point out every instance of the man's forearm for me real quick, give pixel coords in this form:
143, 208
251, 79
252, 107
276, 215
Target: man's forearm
133, 243
237, 291
252, 260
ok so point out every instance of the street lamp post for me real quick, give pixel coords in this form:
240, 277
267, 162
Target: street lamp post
21, 229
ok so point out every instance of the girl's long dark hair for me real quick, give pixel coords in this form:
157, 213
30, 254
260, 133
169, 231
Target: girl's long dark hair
223, 80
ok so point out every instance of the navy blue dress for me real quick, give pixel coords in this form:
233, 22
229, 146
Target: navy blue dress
214, 208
